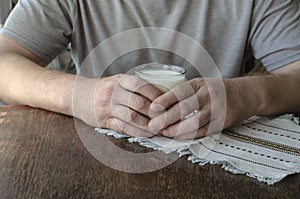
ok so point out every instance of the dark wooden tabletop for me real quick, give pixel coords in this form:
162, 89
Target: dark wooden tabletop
42, 156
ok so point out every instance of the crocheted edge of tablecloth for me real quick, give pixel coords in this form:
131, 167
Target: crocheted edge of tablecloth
185, 151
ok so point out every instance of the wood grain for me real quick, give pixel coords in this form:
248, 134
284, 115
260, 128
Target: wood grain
42, 156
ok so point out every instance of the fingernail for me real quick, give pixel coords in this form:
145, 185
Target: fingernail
156, 107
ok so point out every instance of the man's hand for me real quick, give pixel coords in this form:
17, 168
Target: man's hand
235, 102
23, 81
121, 103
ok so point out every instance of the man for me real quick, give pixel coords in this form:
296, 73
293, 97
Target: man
233, 33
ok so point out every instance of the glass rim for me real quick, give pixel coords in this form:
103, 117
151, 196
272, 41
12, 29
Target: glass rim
141, 69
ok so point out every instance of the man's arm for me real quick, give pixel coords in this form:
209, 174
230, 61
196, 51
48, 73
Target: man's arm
24, 81
273, 94
120, 102
278, 93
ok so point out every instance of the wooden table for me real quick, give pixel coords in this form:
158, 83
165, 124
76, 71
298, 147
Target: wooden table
42, 156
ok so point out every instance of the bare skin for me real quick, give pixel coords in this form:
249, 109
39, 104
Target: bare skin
246, 96
122, 102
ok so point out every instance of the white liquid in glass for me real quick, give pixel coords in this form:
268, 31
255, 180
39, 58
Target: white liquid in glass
162, 79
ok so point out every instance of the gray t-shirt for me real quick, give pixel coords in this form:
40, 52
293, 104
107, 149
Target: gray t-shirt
233, 32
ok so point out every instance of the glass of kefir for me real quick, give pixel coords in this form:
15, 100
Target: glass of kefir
163, 77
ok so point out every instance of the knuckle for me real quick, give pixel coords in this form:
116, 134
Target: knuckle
194, 101
206, 93
181, 92
132, 115
167, 133
103, 116
185, 108
120, 126
104, 101
198, 117
125, 80
195, 122
109, 83
140, 103
197, 83
202, 117
206, 114
203, 131
118, 76
133, 81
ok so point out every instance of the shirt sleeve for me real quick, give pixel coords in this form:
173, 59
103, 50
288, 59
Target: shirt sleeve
43, 27
275, 32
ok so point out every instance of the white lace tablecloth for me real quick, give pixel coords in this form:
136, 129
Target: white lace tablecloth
265, 149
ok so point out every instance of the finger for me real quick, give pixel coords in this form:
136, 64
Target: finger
180, 110
132, 100
130, 116
127, 129
187, 126
176, 94
212, 127
140, 86
175, 113
200, 133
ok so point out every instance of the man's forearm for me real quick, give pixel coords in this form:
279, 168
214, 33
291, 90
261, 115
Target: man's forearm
24, 82
276, 93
